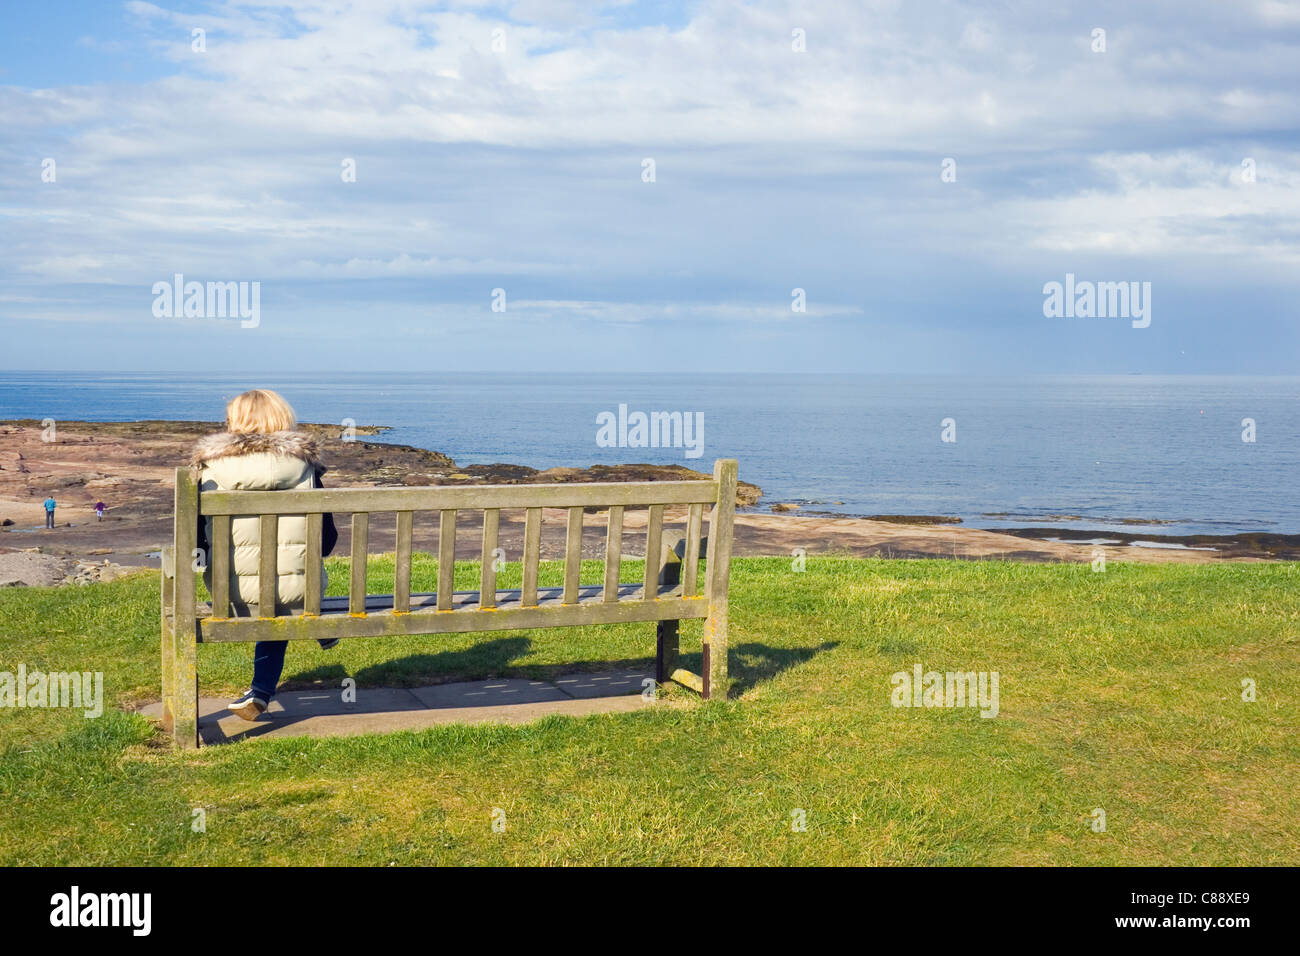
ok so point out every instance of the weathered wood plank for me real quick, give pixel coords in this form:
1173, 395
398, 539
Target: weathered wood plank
532, 553
402, 562
385, 622
613, 552
360, 549
184, 691
572, 555
463, 497
488, 571
312, 584
653, 532
667, 633
219, 563
446, 557
168, 639
691, 560
718, 575
688, 679
268, 551
468, 601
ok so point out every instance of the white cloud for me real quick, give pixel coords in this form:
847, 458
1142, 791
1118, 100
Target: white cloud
639, 312
1173, 205
775, 169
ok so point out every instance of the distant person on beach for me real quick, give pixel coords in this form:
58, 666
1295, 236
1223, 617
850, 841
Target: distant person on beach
261, 450
49, 512
99, 511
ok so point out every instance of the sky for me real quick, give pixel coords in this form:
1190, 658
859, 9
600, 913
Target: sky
919, 170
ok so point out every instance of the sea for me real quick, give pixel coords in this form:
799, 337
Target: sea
1172, 455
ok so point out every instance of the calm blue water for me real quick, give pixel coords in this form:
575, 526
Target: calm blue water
1100, 447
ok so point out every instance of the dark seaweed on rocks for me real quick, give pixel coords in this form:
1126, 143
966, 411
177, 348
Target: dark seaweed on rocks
1260, 544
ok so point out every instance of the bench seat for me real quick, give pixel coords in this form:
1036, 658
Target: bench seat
465, 615
506, 599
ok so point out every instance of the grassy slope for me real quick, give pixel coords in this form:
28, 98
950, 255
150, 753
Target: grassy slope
1118, 690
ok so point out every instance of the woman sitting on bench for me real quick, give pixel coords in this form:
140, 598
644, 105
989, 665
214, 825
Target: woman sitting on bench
261, 450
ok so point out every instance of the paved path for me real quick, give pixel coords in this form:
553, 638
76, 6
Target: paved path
320, 713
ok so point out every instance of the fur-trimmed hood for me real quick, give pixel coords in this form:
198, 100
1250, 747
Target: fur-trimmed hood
226, 445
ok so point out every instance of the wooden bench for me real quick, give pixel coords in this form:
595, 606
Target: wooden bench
669, 591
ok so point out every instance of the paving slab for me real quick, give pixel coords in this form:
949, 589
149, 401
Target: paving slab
323, 713
612, 684
301, 704
488, 693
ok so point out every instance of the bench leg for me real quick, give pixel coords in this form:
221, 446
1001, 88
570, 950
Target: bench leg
185, 633
168, 680
715, 625
168, 659
715, 655
673, 546
666, 648
185, 688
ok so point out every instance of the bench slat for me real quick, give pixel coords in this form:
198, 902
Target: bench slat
464, 497
268, 546
488, 571
532, 553
572, 556
653, 536
360, 548
446, 556
613, 553
402, 563
219, 562
690, 574
591, 609
312, 584
469, 600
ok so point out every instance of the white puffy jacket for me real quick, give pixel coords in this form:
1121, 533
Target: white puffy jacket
260, 462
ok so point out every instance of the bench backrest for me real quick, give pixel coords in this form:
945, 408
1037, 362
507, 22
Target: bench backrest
716, 496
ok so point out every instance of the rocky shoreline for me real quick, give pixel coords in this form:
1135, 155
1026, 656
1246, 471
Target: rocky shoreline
32, 568
1251, 544
130, 466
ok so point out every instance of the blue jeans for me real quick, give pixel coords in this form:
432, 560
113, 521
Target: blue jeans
268, 662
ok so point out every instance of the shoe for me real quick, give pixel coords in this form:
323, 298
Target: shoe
328, 643
250, 706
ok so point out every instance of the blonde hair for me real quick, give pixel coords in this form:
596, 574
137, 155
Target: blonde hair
259, 411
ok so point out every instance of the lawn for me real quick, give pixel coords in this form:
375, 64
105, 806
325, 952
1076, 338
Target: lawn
1119, 691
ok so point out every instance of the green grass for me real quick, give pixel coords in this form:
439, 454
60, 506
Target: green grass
1119, 690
